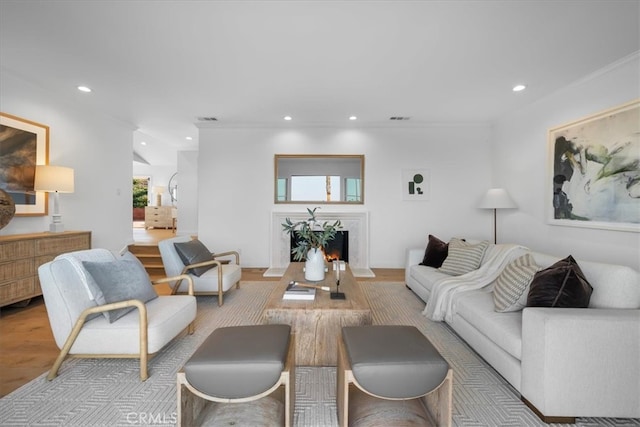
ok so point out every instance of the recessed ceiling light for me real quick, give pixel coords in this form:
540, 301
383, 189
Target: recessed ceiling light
143, 143
353, 118
188, 138
518, 88
287, 118
84, 89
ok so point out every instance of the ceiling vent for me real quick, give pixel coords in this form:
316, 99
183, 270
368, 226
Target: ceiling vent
399, 118
207, 119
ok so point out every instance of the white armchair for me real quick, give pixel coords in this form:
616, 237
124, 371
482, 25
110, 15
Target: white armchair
212, 273
76, 311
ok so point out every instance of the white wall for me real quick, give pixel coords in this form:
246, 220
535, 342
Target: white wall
235, 184
97, 147
520, 165
188, 192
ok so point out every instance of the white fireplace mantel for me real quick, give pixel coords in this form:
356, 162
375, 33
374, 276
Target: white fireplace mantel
357, 223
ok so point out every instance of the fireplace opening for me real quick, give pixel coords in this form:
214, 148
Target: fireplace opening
336, 249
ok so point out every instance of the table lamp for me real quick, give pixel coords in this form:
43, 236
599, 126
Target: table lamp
158, 190
56, 180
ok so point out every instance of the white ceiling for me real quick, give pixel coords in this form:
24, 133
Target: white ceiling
160, 65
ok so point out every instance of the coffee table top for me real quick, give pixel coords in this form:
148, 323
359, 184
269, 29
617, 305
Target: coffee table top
355, 299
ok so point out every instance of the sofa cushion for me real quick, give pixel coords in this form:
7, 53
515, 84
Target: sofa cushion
120, 280
427, 276
435, 253
463, 257
504, 329
194, 252
512, 285
563, 284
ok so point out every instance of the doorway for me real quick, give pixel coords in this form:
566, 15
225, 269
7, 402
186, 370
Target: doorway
140, 199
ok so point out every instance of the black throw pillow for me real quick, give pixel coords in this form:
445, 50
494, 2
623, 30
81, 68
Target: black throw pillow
436, 252
194, 252
561, 285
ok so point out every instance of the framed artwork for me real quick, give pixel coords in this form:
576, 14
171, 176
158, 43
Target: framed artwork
23, 145
415, 184
594, 171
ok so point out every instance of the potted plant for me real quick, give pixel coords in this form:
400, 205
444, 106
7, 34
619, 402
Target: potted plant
311, 236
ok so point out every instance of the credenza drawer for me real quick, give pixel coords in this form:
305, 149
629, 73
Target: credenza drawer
17, 290
16, 269
16, 250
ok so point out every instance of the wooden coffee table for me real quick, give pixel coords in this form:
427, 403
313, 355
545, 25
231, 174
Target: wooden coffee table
317, 324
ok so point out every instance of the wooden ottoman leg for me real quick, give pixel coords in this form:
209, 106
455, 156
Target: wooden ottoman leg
289, 381
439, 402
342, 382
189, 405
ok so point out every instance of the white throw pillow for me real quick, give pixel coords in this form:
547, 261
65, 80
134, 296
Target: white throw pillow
511, 287
463, 257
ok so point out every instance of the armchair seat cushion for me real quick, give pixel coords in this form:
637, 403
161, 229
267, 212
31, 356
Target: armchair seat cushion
167, 317
208, 282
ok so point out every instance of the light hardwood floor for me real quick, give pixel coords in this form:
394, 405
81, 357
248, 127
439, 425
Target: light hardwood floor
26, 342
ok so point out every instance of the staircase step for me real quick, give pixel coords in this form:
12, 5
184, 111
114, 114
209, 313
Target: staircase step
138, 249
149, 256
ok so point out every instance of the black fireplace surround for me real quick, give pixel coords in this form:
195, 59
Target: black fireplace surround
336, 249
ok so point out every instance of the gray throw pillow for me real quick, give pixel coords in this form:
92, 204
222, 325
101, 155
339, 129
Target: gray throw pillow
194, 252
120, 280
463, 257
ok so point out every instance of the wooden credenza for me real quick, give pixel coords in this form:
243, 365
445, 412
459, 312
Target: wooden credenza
22, 254
158, 217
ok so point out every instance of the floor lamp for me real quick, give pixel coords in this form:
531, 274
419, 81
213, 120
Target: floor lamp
496, 198
54, 179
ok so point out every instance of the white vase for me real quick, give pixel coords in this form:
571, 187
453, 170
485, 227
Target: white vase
314, 266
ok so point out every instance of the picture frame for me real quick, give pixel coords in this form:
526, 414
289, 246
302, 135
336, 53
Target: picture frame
593, 177
23, 145
416, 184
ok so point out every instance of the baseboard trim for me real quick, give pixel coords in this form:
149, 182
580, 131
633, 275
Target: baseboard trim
546, 419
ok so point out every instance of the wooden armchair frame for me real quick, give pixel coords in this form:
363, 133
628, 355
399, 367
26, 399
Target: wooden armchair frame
218, 263
142, 312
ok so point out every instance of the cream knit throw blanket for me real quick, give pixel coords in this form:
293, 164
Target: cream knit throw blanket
439, 307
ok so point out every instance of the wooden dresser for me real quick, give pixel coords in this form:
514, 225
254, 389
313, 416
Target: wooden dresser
158, 217
22, 254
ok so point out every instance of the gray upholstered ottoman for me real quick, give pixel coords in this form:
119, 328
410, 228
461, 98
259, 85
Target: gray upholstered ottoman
393, 363
236, 365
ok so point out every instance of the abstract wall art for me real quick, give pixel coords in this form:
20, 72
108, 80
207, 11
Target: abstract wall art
23, 145
594, 171
415, 184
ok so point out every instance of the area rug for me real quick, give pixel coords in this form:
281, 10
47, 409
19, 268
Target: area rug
108, 392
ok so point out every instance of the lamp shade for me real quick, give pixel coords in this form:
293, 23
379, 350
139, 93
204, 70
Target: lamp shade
159, 189
57, 179
497, 198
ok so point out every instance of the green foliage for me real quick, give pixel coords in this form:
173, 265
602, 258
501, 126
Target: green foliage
310, 233
140, 193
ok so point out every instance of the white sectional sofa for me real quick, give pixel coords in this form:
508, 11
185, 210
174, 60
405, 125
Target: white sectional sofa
565, 362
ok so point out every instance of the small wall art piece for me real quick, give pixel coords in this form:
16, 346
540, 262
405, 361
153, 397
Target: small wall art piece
23, 145
594, 171
415, 184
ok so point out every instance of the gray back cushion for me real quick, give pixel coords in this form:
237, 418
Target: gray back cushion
193, 252
120, 280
